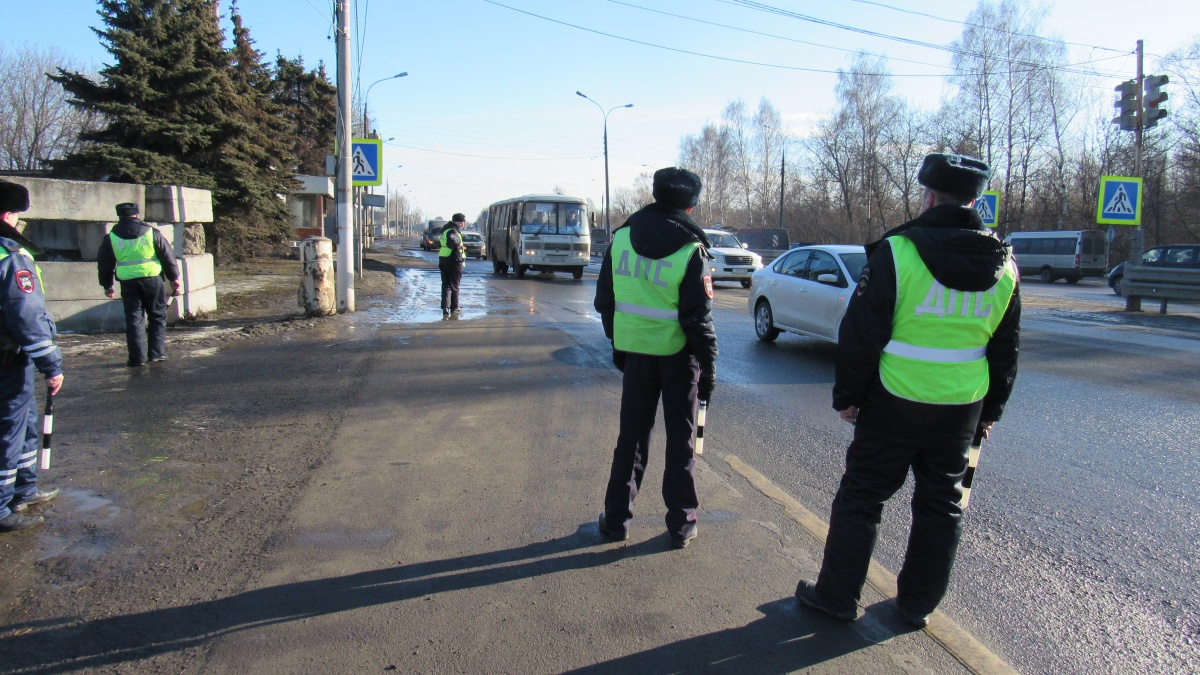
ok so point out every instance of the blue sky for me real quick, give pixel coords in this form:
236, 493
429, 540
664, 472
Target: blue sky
489, 111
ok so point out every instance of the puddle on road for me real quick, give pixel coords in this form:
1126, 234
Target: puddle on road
418, 299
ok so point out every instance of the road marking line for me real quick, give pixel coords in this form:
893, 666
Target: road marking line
954, 639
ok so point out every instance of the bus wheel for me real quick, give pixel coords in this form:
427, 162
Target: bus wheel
577, 273
498, 266
518, 268
1047, 276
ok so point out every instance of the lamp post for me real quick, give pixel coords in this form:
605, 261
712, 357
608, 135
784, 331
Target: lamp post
607, 224
367, 134
366, 96
387, 190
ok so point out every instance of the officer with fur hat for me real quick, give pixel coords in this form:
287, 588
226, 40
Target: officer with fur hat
452, 259
927, 356
139, 256
26, 344
654, 296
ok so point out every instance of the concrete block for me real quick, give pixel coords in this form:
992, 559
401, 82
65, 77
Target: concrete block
88, 316
71, 281
197, 272
52, 199
201, 301
177, 204
90, 235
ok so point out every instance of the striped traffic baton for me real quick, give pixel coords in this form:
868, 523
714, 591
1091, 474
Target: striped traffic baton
700, 426
972, 462
47, 431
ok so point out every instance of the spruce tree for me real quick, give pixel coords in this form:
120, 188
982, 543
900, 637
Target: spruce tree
308, 101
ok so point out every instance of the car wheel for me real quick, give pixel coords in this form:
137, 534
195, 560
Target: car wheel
764, 322
1047, 276
577, 273
518, 268
745, 283
1116, 286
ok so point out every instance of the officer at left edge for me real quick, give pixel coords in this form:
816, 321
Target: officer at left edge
26, 344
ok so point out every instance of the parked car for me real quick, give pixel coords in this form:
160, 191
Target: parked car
473, 242
1176, 256
731, 261
805, 291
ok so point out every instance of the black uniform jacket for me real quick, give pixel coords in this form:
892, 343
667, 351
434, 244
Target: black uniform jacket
132, 228
960, 253
657, 231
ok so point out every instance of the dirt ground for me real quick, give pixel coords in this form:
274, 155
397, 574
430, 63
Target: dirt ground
175, 476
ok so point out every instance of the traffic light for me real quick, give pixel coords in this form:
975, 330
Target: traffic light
1152, 110
1126, 105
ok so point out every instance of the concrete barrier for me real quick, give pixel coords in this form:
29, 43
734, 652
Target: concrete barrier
77, 303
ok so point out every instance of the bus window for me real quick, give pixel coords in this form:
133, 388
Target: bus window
574, 220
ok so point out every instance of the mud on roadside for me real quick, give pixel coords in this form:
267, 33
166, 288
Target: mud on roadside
176, 477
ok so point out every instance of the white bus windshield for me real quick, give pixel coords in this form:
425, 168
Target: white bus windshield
554, 218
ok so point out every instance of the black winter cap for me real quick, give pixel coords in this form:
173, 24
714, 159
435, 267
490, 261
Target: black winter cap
128, 210
458, 218
14, 198
677, 188
954, 174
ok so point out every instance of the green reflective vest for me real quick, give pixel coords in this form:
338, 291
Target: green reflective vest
135, 257
647, 298
938, 350
445, 251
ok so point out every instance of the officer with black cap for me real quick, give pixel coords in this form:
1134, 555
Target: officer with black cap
927, 356
654, 296
452, 258
139, 256
26, 344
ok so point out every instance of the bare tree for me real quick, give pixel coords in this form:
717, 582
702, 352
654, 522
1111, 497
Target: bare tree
37, 122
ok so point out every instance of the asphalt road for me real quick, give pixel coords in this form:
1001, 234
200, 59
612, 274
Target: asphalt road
1081, 544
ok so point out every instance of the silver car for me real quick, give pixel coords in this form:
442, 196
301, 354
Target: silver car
805, 291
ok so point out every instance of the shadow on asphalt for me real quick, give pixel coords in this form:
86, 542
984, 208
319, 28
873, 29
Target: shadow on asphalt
71, 643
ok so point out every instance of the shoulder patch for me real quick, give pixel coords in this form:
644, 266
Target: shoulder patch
863, 281
708, 289
25, 281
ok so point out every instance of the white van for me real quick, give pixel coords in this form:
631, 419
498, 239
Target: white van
1061, 254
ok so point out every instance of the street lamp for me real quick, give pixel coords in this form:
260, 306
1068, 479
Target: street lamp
387, 190
366, 96
607, 224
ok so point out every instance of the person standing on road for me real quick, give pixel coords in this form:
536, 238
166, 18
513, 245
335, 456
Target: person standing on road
927, 356
139, 256
26, 344
452, 258
654, 296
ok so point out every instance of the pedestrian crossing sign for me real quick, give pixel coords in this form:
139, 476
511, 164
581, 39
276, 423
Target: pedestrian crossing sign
989, 207
1120, 201
366, 156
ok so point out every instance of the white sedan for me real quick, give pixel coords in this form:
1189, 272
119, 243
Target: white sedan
805, 291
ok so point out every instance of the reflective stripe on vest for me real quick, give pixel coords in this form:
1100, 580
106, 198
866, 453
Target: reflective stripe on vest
646, 320
938, 350
445, 251
135, 257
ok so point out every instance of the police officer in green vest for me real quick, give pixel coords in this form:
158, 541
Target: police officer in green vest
452, 258
927, 355
139, 256
654, 296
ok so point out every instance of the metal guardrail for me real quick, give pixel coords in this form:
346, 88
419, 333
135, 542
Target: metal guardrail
1157, 283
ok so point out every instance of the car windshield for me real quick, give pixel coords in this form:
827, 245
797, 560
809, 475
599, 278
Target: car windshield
855, 262
471, 236
554, 218
723, 240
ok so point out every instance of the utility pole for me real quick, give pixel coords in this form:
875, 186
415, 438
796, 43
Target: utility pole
345, 217
782, 177
1136, 238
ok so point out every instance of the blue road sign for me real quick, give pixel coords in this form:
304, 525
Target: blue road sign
989, 207
366, 156
1120, 201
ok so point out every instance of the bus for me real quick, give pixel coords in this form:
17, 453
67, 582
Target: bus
1059, 254
539, 233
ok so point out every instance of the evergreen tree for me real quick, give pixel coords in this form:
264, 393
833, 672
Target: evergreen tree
161, 102
308, 101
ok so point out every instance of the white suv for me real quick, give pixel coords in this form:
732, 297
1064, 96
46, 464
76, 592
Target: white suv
731, 261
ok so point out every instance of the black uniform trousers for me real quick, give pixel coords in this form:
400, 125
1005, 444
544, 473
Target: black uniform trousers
452, 271
145, 318
675, 378
893, 435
